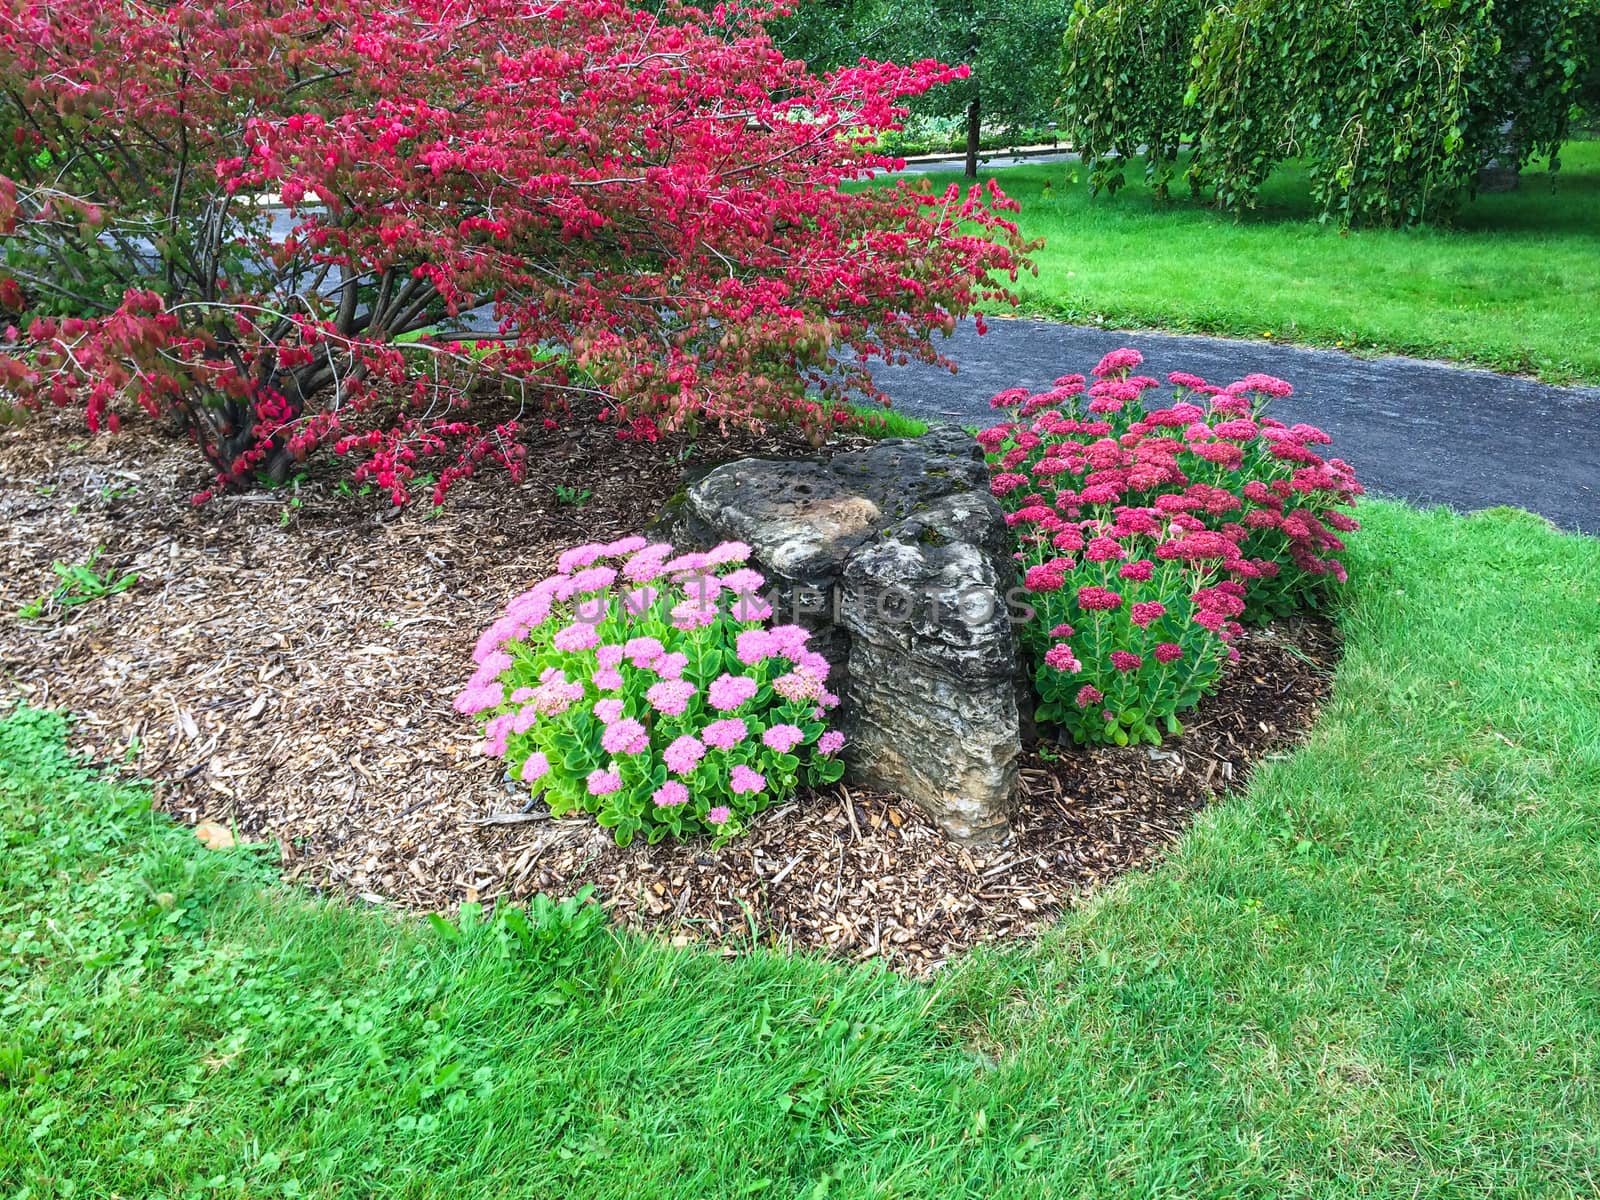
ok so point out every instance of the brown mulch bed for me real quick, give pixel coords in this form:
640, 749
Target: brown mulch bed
286, 661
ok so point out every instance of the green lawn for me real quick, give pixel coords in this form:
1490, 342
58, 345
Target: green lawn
1375, 974
1515, 285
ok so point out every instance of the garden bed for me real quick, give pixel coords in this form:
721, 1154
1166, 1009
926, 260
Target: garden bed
285, 661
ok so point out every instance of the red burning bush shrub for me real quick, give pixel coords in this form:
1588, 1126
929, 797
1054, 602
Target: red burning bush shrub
1147, 532
647, 200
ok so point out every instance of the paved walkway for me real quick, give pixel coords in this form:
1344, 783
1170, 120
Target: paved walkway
1423, 431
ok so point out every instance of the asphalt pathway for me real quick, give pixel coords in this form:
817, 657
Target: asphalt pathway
1421, 431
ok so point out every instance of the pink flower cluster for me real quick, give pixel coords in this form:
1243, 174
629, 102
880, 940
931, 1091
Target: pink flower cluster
633, 654
1153, 528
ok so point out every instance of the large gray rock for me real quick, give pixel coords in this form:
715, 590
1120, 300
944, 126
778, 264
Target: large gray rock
897, 558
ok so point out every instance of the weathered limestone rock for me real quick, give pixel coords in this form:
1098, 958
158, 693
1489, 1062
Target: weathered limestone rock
897, 558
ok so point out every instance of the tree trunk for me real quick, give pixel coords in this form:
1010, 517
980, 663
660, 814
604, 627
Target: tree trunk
1500, 173
974, 135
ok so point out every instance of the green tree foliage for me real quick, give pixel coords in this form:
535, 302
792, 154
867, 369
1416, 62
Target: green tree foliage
1394, 107
1012, 47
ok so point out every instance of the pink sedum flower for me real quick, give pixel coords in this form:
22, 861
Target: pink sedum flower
642, 651
638, 601
1117, 362
749, 607
670, 697
831, 742
671, 666
1146, 611
684, 755
671, 794
782, 738
579, 556
603, 782
754, 646
579, 635
536, 767
1060, 658
720, 815
625, 736
728, 692
788, 640
725, 734
744, 581
745, 781
693, 613
1098, 599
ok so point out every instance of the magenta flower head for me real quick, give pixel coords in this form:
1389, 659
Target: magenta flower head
671, 794
671, 696
684, 754
536, 767
604, 783
1098, 599
1266, 384
788, 640
719, 815
638, 601
730, 691
623, 547
642, 651
671, 666
831, 742
1046, 577
725, 734
608, 710
579, 556
744, 581
747, 606
1123, 661
626, 736
754, 646
693, 612
742, 780
1117, 362
580, 635
1147, 611
1104, 549
1168, 652
593, 579
1089, 695
690, 563
782, 738
1060, 658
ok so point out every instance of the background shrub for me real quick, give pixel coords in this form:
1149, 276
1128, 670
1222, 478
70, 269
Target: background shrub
1394, 109
644, 686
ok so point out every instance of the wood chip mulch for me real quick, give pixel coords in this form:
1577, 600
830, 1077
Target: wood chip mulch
285, 663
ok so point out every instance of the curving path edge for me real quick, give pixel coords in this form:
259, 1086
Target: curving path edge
1426, 432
